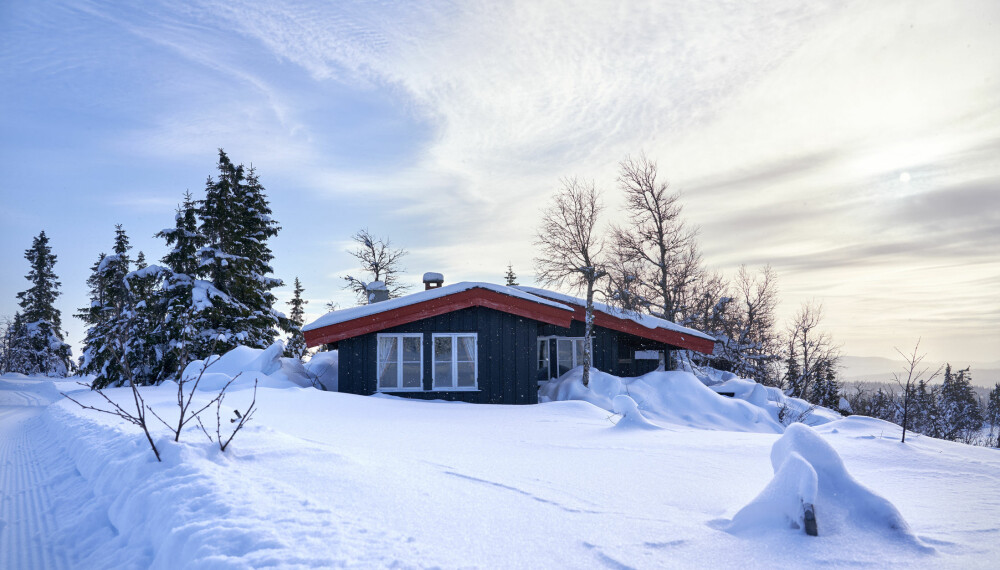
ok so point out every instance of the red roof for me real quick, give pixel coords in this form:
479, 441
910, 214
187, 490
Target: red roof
518, 303
474, 297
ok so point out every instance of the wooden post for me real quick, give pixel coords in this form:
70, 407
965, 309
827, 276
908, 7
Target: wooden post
810, 519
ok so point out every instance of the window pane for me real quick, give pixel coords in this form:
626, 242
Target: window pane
387, 349
564, 355
466, 374
411, 375
466, 348
411, 349
442, 349
442, 375
388, 375
579, 352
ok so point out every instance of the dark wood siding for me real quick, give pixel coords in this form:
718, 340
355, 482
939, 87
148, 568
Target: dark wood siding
614, 352
506, 364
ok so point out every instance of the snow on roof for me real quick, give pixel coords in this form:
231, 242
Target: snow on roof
342, 316
433, 277
648, 321
376, 286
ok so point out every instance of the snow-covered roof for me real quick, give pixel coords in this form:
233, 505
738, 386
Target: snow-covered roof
648, 321
345, 315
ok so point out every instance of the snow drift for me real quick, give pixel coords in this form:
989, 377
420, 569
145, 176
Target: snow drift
808, 472
674, 397
244, 365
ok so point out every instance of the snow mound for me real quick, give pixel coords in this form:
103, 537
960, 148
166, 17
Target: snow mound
773, 400
674, 397
808, 471
324, 366
246, 365
631, 416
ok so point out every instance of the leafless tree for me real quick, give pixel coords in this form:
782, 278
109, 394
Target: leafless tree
750, 339
914, 375
658, 251
379, 262
137, 417
810, 350
571, 249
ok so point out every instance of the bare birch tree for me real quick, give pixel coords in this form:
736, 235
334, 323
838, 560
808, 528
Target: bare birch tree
914, 375
656, 246
571, 249
811, 349
379, 262
749, 337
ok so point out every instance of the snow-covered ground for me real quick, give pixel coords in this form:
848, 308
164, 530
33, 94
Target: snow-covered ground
681, 477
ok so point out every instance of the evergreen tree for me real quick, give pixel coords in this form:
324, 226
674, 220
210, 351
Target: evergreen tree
510, 276
993, 412
924, 413
184, 317
297, 343
826, 390
40, 343
962, 417
104, 345
16, 355
235, 224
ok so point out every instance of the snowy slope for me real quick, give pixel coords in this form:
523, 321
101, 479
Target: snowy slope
324, 479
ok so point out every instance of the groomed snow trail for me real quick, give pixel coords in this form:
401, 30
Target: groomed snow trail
35, 478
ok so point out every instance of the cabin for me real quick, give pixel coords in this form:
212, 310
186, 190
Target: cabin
486, 343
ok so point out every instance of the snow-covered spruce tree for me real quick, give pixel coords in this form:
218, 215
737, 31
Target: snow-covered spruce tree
16, 354
962, 417
235, 258
40, 341
826, 390
183, 323
571, 250
104, 345
296, 317
993, 414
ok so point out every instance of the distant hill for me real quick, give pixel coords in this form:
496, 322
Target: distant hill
878, 369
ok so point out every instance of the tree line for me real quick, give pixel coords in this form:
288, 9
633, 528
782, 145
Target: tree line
145, 323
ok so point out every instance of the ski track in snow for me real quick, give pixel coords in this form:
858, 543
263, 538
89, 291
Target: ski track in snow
28, 535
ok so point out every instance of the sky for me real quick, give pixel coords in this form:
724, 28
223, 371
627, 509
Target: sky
852, 146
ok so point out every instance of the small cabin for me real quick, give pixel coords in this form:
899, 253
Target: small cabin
487, 343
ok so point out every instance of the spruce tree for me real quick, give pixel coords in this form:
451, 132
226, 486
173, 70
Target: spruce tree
510, 276
40, 322
962, 416
185, 321
105, 343
236, 223
297, 342
993, 412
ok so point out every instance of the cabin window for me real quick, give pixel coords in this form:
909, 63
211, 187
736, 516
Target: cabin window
568, 355
455, 361
400, 362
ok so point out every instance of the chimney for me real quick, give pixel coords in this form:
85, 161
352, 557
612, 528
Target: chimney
377, 291
433, 280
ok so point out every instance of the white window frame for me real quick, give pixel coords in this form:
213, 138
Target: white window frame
399, 362
554, 354
544, 341
454, 387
